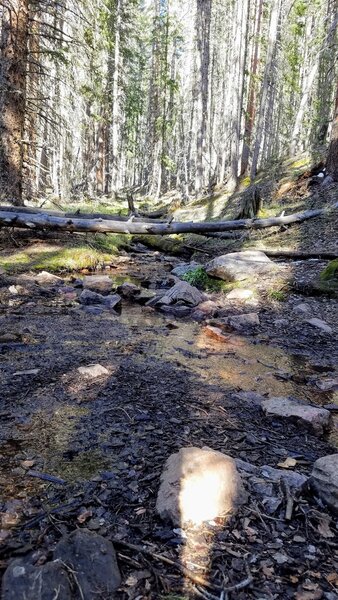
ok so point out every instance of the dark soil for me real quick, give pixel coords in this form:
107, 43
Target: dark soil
169, 386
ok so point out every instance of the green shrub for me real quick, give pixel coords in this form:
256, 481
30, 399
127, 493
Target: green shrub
200, 279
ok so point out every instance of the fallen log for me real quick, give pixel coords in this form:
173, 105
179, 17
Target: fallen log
298, 254
76, 215
44, 221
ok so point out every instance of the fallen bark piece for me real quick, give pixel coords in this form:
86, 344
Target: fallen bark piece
42, 220
324, 480
238, 266
97, 283
92, 559
23, 579
199, 485
93, 371
317, 418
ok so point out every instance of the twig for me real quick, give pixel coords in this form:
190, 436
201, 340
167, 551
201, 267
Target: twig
186, 572
46, 477
289, 499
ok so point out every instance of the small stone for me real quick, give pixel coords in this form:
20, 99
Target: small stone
324, 480
320, 325
239, 294
112, 301
302, 309
128, 290
327, 384
45, 277
87, 297
182, 292
199, 485
216, 333
208, 308
93, 371
239, 322
279, 323
93, 559
316, 417
98, 283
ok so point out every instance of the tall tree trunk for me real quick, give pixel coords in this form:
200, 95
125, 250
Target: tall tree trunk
13, 65
115, 130
203, 18
332, 160
268, 76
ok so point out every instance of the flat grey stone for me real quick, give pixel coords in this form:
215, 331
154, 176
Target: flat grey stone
93, 371
317, 418
98, 283
184, 268
184, 293
319, 324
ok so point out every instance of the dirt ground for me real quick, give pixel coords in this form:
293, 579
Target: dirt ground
168, 386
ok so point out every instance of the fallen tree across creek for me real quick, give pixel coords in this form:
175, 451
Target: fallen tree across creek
41, 220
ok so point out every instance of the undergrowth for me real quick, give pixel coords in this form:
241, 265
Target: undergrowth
200, 279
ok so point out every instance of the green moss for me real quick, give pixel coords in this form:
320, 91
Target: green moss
200, 279
330, 273
277, 295
173, 244
92, 253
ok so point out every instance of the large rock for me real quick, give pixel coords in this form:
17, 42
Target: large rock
183, 293
98, 283
199, 485
239, 294
238, 266
315, 417
24, 580
324, 480
93, 560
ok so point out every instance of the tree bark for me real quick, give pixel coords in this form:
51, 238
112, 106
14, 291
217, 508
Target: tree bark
332, 160
44, 221
13, 69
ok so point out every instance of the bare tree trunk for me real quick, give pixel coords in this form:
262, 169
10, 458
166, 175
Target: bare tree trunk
332, 160
203, 17
13, 65
115, 132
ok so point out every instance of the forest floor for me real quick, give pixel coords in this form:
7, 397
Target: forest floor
167, 385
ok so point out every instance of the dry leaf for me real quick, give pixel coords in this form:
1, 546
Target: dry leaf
332, 578
288, 463
86, 514
324, 529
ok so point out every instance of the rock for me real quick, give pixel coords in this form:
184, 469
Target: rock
112, 301
324, 480
183, 268
184, 293
239, 294
208, 308
199, 485
302, 309
326, 183
279, 323
239, 322
320, 325
98, 283
251, 397
23, 579
128, 290
93, 559
238, 266
294, 479
327, 384
216, 333
176, 310
145, 296
45, 277
92, 371
317, 418
89, 298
